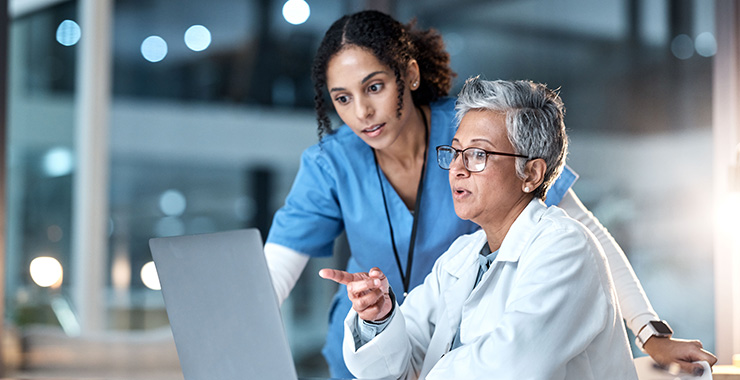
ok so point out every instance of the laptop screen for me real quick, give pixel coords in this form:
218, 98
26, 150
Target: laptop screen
222, 308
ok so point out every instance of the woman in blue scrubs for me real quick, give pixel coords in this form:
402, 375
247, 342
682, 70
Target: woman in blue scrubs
374, 177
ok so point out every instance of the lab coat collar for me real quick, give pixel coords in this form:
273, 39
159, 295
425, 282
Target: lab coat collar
511, 248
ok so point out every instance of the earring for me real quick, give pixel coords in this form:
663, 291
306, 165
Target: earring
415, 84
526, 189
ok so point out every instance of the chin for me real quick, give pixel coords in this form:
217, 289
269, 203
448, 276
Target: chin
376, 143
464, 213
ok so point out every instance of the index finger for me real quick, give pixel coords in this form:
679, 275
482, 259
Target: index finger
708, 357
339, 276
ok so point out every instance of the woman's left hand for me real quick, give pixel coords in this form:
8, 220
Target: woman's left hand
666, 351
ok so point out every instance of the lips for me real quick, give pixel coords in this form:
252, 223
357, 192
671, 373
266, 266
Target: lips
374, 130
460, 192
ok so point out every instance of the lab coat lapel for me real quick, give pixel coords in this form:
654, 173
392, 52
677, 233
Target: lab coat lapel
460, 273
461, 295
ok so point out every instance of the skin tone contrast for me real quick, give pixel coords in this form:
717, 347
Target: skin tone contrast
492, 198
494, 211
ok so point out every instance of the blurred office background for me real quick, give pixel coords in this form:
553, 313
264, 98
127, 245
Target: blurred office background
208, 107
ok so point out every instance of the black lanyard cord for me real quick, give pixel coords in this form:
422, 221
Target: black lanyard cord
417, 210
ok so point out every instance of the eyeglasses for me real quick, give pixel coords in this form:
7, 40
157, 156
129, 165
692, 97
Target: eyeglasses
474, 159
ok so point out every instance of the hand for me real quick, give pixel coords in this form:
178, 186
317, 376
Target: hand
367, 291
668, 350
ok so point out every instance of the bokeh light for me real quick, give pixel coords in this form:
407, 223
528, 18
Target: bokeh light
46, 271
68, 33
58, 162
706, 44
121, 272
149, 276
172, 202
197, 38
682, 46
54, 233
296, 12
154, 48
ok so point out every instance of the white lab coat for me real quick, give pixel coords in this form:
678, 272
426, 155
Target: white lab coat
546, 309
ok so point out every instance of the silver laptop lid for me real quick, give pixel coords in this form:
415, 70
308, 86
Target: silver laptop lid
222, 308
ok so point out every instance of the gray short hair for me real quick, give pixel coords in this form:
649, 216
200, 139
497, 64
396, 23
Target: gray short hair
534, 120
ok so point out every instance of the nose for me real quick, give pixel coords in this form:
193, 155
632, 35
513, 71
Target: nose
363, 108
457, 167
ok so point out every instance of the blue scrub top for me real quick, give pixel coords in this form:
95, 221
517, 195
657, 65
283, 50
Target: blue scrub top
337, 189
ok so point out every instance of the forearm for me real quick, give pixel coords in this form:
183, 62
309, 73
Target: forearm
385, 355
635, 306
365, 331
285, 267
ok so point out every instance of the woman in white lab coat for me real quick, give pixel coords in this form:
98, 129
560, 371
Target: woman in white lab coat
528, 296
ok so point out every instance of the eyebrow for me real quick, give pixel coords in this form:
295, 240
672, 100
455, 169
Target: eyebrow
365, 79
477, 140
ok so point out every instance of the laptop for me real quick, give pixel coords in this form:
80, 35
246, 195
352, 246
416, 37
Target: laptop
222, 308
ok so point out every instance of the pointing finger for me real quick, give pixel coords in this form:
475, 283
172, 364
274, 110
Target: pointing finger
340, 276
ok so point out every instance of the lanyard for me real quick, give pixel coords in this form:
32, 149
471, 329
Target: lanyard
417, 210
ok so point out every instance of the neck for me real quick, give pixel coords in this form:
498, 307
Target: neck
499, 226
410, 145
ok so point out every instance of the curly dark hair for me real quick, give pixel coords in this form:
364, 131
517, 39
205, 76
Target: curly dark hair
394, 44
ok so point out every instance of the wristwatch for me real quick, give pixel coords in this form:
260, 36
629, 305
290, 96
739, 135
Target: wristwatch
659, 329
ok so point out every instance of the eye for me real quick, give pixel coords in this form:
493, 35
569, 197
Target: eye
375, 87
479, 154
341, 99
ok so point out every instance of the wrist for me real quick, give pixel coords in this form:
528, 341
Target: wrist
653, 329
391, 304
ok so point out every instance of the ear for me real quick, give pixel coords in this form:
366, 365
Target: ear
534, 174
413, 76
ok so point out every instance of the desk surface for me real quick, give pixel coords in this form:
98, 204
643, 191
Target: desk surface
102, 378
725, 372
719, 372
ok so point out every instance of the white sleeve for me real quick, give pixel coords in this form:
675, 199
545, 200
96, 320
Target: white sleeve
399, 351
635, 306
285, 267
387, 355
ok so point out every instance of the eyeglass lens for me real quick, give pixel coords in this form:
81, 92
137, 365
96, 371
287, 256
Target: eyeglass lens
474, 159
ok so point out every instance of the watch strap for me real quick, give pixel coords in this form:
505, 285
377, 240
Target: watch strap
663, 330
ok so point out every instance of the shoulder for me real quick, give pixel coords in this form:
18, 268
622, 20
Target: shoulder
556, 222
334, 148
341, 139
557, 235
559, 189
559, 244
443, 121
545, 229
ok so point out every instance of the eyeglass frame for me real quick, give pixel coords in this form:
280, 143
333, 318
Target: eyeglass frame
465, 160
